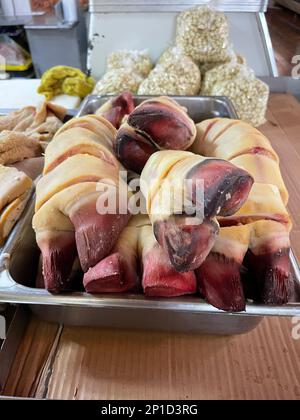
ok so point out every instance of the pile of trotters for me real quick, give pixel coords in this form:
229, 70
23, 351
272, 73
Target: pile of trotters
229, 243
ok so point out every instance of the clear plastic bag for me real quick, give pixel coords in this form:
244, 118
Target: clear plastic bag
237, 81
118, 81
203, 34
175, 74
137, 61
225, 71
232, 57
125, 72
249, 97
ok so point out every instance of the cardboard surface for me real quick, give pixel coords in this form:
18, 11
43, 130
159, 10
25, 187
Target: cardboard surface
104, 364
89, 363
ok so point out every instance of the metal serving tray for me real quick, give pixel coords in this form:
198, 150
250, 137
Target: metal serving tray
199, 107
19, 265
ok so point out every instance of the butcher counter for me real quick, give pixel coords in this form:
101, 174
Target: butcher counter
57, 362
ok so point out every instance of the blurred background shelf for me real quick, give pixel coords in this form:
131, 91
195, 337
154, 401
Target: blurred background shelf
109, 6
14, 20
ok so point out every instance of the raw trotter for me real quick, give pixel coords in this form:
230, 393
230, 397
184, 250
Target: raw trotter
217, 224
79, 168
119, 272
156, 124
258, 234
117, 108
14, 194
171, 182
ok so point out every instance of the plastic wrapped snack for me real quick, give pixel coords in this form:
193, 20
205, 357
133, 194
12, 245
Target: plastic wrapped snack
203, 34
233, 57
137, 61
238, 82
175, 74
248, 95
117, 81
223, 72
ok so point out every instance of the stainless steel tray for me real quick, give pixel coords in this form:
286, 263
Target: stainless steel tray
18, 268
19, 262
199, 107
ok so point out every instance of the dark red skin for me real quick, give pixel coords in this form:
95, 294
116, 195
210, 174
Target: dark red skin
133, 150
167, 128
114, 274
160, 279
39, 281
59, 253
120, 107
271, 275
221, 178
186, 245
94, 235
219, 282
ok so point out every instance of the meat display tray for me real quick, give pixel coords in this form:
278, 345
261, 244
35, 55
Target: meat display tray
199, 107
19, 264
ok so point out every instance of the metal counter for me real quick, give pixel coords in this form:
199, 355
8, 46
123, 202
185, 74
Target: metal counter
110, 6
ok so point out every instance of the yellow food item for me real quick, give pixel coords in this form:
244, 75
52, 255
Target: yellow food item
68, 80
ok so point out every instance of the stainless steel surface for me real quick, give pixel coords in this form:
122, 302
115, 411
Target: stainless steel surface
100, 6
147, 319
59, 11
20, 255
19, 261
37, 20
14, 20
66, 42
17, 320
49, 21
267, 42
